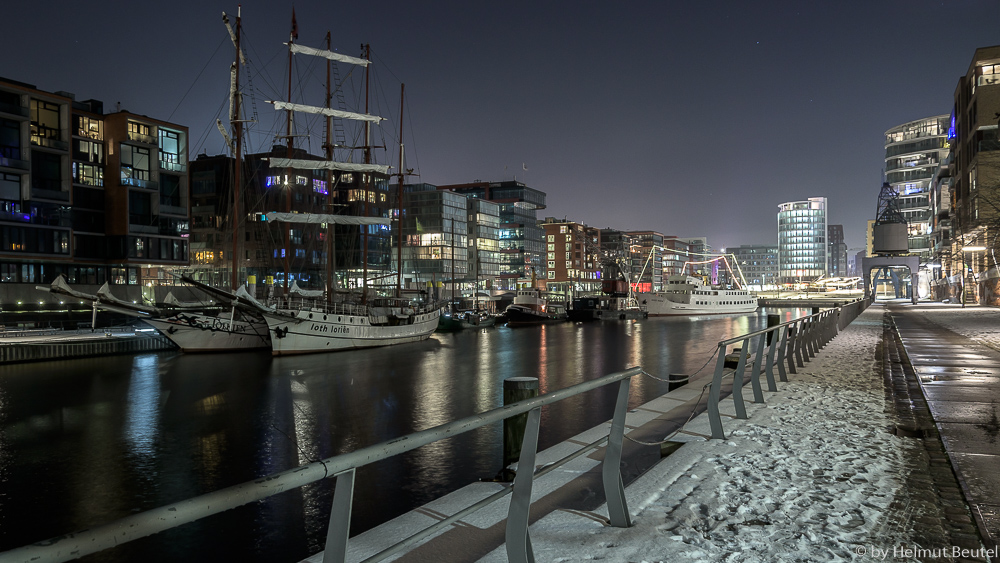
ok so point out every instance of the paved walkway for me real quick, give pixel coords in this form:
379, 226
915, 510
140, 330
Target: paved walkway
960, 379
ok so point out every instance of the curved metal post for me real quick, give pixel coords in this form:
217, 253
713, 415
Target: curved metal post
518, 543
741, 409
769, 361
714, 418
758, 395
340, 519
810, 339
614, 490
782, 356
795, 352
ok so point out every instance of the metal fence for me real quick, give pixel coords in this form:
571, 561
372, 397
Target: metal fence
792, 343
343, 467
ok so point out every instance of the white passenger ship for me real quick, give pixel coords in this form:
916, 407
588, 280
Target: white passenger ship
688, 295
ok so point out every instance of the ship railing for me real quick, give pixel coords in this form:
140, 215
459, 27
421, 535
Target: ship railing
763, 352
343, 469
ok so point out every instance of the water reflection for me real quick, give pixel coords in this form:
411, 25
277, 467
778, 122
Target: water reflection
142, 410
194, 424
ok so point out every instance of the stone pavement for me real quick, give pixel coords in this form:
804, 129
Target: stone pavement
960, 379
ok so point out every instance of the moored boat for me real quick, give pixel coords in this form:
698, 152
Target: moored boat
314, 327
530, 308
688, 295
605, 308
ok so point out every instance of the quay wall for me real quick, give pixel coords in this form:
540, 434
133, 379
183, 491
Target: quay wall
41, 348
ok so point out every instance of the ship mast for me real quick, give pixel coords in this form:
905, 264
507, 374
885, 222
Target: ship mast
331, 253
399, 212
289, 178
367, 181
234, 120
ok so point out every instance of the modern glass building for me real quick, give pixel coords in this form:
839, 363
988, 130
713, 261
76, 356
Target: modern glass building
802, 247
913, 152
522, 240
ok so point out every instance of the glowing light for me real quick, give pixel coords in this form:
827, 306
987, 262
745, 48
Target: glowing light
974, 248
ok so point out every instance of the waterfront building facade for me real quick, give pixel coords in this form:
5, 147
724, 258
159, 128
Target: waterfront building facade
759, 264
262, 252
484, 243
802, 246
435, 239
913, 153
975, 173
837, 251
522, 240
675, 256
98, 197
573, 252
646, 257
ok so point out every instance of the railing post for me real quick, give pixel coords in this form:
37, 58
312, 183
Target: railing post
783, 354
614, 490
714, 418
758, 395
518, 543
741, 410
810, 339
775, 336
340, 519
795, 347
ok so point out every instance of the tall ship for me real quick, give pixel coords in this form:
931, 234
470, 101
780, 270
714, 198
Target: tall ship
689, 295
310, 322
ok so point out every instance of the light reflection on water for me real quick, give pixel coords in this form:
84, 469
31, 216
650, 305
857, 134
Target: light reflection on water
201, 423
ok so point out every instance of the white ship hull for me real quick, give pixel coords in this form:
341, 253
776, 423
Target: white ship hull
305, 332
194, 332
662, 304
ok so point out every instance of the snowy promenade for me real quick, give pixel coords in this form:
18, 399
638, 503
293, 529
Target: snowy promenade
809, 477
814, 474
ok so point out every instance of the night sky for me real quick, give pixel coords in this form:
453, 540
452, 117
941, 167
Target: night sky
689, 118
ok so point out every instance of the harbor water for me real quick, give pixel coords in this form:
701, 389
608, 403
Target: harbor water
84, 442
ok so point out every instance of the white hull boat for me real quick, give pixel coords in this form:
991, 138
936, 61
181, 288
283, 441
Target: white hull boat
689, 296
196, 332
304, 331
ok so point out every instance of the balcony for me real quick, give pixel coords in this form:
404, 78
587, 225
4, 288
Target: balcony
170, 166
141, 138
137, 183
173, 210
6, 162
49, 142
989, 145
14, 110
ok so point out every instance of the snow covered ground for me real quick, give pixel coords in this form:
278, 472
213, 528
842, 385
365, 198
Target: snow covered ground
809, 477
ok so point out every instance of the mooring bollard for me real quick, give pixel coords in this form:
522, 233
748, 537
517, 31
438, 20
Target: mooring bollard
515, 389
772, 320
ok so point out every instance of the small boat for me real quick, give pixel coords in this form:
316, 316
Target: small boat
530, 308
478, 319
688, 295
605, 308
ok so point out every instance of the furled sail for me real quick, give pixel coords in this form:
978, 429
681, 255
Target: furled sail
329, 112
314, 293
326, 218
302, 49
302, 164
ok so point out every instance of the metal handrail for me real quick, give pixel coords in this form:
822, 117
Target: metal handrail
99, 538
795, 342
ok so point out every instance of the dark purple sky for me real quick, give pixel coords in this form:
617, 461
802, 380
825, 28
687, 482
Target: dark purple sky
690, 118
